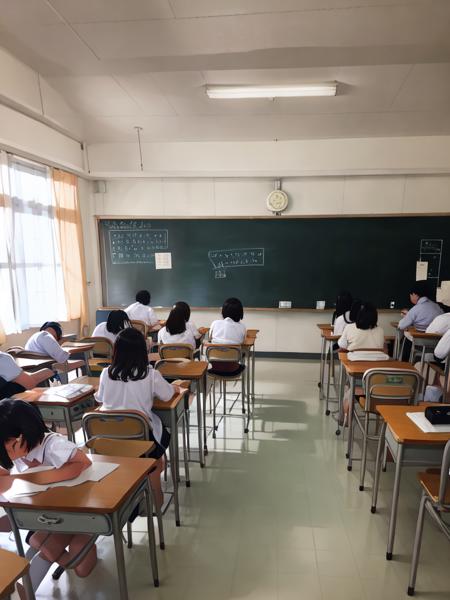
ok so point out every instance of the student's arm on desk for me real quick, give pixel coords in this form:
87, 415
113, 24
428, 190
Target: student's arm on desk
407, 320
31, 380
71, 469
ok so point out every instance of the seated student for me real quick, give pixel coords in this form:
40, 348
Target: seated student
25, 441
440, 324
341, 316
141, 311
364, 332
46, 341
442, 349
230, 329
176, 330
117, 320
131, 383
186, 309
13, 380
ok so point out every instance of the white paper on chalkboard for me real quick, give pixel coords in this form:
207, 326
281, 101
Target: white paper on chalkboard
421, 270
163, 260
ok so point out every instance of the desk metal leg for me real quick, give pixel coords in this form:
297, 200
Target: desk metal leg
350, 424
322, 367
253, 375
118, 546
395, 494
328, 358
151, 533
185, 453
376, 480
26, 578
341, 387
174, 464
204, 384
69, 427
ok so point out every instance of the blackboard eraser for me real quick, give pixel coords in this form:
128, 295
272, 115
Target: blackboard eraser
285, 304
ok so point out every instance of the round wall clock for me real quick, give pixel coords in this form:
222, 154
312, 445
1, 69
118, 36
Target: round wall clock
277, 201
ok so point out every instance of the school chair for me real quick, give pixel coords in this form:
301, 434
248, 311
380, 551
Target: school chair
168, 351
381, 386
227, 365
436, 500
140, 326
101, 354
120, 433
63, 369
442, 370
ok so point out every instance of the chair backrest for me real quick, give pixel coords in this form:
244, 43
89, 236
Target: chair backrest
116, 424
445, 475
176, 351
140, 326
15, 350
390, 386
223, 353
103, 346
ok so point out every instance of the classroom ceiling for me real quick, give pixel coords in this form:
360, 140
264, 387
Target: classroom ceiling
126, 63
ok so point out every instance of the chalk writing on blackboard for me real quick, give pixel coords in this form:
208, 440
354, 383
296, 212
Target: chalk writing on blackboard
235, 257
431, 252
136, 246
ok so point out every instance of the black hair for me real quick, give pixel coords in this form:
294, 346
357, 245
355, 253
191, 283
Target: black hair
344, 301
185, 308
176, 323
117, 320
232, 307
367, 316
130, 359
54, 325
356, 307
18, 417
144, 297
421, 288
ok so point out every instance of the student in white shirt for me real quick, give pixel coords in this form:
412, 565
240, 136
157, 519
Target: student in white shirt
13, 380
25, 442
117, 320
176, 331
341, 316
442, 349
186, 310
440, 324
46, 341
131, 383
230, 329
365, 332
141, 311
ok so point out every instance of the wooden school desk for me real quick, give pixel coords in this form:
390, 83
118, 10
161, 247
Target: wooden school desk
329, 328
79, 348
354, 371
57, 409
34, 364
193, 370
409, 446
95, 508
13, 568
328, 339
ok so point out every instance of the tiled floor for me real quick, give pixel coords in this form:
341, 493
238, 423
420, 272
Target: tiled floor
276, 516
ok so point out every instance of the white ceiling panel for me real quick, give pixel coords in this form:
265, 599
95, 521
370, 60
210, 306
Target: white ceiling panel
89, 11
426, 88
147, 94
15, 12
206, 8
374, 26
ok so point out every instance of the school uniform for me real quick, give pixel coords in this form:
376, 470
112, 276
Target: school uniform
441, 324
54, 451
44, 343
341, 322
101, 331
421, 314
186, 337
9, 370
137, 395
227, 331
141, 312
192, 327
442, 349
353, 338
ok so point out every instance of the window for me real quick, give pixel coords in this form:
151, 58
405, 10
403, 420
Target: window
31, 279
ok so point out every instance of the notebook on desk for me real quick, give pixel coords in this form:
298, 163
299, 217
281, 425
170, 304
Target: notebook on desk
364, 355
69, 390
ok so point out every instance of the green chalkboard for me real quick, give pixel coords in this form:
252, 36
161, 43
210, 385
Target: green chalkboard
263, 261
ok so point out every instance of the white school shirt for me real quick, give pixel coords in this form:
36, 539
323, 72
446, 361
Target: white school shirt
115, 394
227, 331
340, 323
442, 349
54, 450
353, 338
45, 343
441, 324
193, 328
9, 369
186, 337
101, 331
141, 312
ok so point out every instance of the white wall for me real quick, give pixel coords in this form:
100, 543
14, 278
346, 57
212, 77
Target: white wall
280, 331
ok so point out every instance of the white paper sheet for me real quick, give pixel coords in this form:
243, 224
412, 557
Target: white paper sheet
163, 260
367, 355
421, 270
419, 419
95, 472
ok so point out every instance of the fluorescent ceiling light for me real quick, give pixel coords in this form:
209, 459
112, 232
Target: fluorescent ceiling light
230, 92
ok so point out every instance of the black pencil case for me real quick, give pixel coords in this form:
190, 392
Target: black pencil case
438, 415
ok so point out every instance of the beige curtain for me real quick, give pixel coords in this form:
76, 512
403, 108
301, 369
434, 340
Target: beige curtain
68, 216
